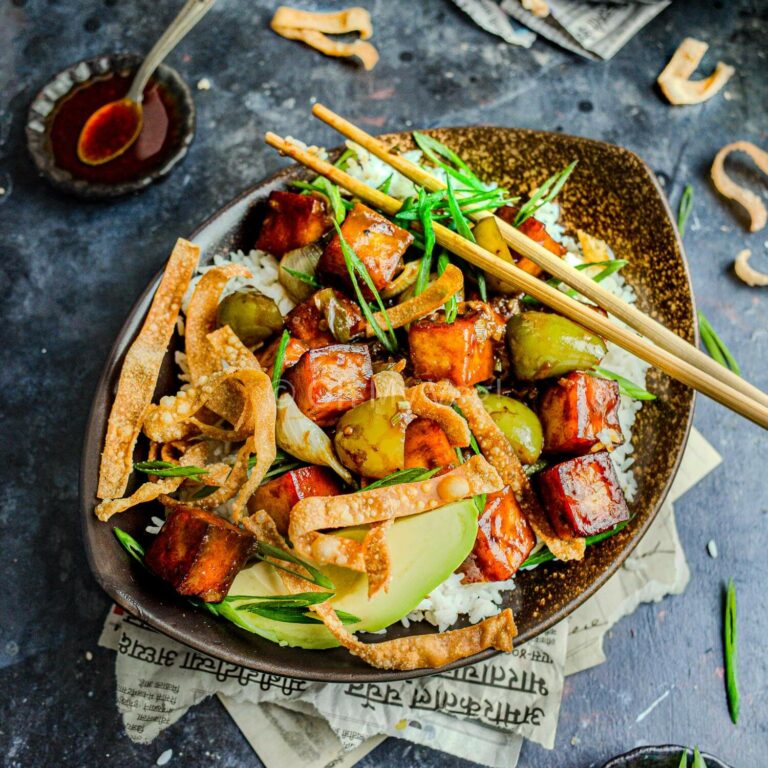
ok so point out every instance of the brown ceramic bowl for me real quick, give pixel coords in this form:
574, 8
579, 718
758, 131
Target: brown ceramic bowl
611, 194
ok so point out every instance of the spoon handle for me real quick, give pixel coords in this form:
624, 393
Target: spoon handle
188, 16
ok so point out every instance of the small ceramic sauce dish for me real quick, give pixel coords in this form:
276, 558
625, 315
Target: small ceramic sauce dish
61, 108
664, 756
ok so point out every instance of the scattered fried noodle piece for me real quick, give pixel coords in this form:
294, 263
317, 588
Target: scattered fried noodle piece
431, 400
425, 651
746, 273
141, 369
432, 298
674, 81
313, 28
730, 189
497, 448
318, 513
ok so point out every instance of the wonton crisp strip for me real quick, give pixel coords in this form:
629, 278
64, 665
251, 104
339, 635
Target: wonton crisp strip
318, 513
141, 368
202, 359
152, 490
730, 189
378, 564
227, 345
435, 295
495, 446
674, 81
431, 401
425, 651
342, 22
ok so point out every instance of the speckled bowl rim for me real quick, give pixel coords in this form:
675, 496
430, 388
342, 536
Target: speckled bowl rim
61, 84
630, 759
315, 672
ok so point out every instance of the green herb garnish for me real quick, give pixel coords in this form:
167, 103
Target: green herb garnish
531, 469
451, 306
730, 639
455, 167
326, 187
130, 545
716, 347
428, 233
262, 550
356, 267
544, 555
626, 387
167, 469
685, 208
546, 193
303, 276
277, 368
609, 267
386, 184
411, 475
698, 760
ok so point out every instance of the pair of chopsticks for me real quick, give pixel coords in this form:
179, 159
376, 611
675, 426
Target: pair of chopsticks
661, 347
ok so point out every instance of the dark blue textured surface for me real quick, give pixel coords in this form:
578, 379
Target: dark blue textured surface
70, 271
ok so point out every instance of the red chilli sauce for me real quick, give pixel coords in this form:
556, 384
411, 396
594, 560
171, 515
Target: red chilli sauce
159, 129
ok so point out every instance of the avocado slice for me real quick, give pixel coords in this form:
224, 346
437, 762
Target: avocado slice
425, 549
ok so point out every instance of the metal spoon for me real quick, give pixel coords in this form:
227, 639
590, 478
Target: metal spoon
113, 128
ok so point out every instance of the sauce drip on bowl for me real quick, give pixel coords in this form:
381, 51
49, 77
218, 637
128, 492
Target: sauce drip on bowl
158, 134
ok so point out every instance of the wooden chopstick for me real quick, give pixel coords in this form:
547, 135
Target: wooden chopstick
564, 272
677, 368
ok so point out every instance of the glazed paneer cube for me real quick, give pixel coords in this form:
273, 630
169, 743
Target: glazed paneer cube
199, 553
278, 496
461, 351
293, 351
307, 323
579, 411
378, 243
504, 540
293, 221
427, 445
328, 381
534, 229
582, 496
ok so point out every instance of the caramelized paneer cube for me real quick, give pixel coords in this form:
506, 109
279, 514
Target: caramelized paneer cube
199, 553
580, 411
536, 231
278, 496
378, 243
293, 351
330, 380
461, 351
427, 445
293, 221
582, 496
504, 540
307, 323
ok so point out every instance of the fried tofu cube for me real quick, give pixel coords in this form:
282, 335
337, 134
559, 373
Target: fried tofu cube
328, 381
582, 496
427, 445
307, 323
293, 351
578, 412
378, 243
461, 351
293, 221
536, 231
504, 540
199, 553
278, 496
